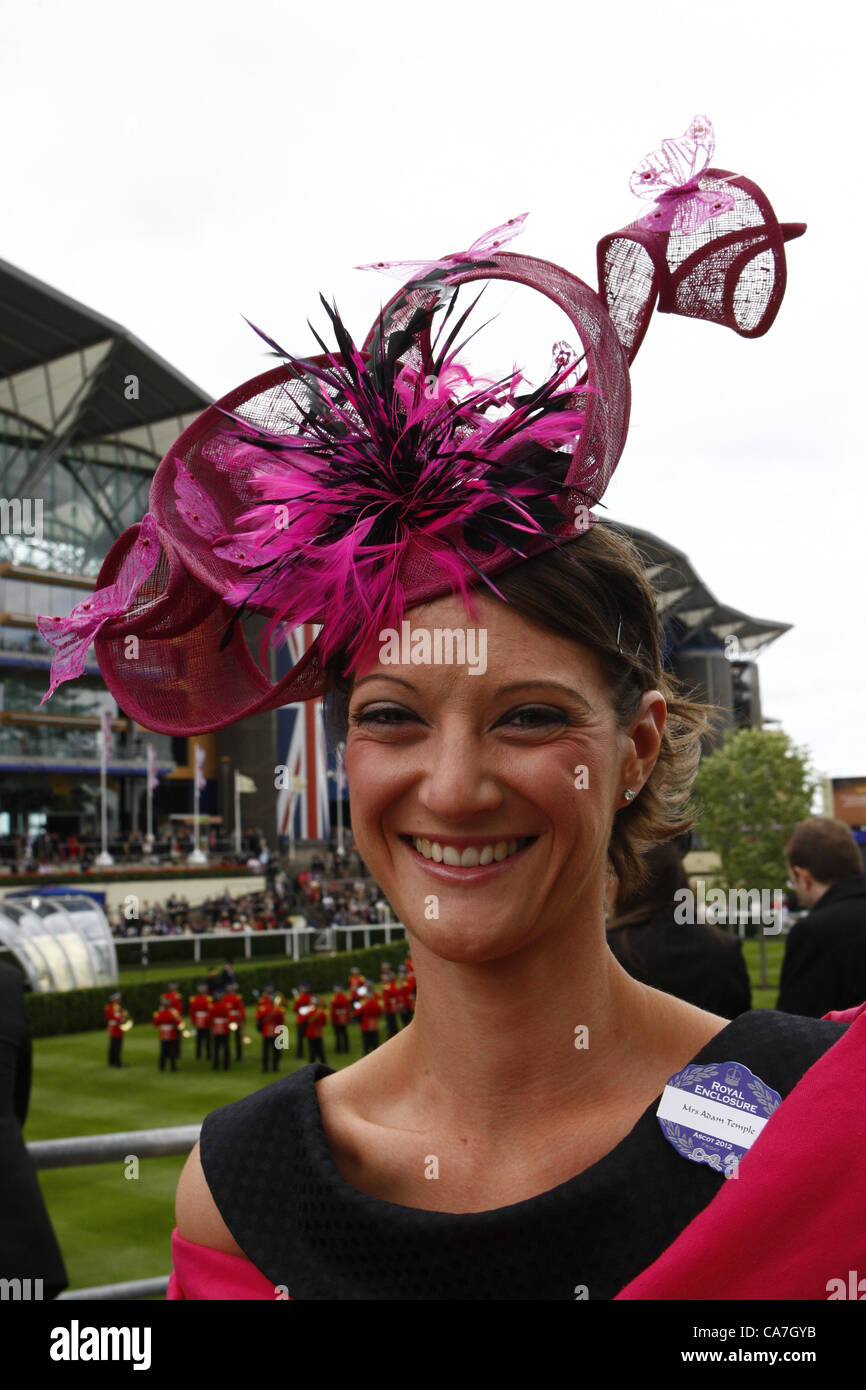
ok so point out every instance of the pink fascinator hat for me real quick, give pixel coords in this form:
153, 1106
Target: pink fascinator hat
342, 489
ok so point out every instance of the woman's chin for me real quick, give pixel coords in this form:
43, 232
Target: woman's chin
468, 940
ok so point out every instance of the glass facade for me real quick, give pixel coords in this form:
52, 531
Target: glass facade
78, 450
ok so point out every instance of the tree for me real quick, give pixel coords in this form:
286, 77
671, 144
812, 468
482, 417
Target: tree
751, 791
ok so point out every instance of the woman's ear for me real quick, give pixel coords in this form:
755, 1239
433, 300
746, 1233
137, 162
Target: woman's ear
645, 736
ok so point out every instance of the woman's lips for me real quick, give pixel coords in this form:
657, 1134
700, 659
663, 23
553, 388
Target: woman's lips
453, 873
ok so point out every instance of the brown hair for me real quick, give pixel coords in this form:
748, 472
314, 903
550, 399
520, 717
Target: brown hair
594, 591
825, 847
665, 874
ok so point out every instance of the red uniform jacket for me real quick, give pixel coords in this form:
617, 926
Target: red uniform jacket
273, 1019
301, 1001
391, 996
370, 1011
199, 1009
114, 1018
265, 1003
407, 1003
315, 1022
167, 1021
340, 1009
219, 1018
235, 1007
176, 1000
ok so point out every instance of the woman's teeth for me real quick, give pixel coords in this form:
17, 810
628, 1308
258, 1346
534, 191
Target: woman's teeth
469, 857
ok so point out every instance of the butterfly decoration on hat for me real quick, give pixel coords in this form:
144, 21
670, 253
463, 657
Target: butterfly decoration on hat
344, 487
670, 175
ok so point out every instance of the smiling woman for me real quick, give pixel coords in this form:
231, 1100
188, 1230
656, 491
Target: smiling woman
531, 1133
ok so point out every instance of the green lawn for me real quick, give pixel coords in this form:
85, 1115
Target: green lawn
775, 950
110, 1227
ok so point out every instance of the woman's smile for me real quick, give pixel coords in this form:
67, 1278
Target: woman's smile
464, 860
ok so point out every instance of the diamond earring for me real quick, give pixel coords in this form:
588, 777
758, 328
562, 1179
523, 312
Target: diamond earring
628, 794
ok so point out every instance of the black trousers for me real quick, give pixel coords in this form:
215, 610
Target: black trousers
406, 1017
317, 1049
301, 1028
168, 1050
239, 1042
221, 1046
341, 1037
371, 1041
202, 1040
271, 1054
391, 1024
114, 1047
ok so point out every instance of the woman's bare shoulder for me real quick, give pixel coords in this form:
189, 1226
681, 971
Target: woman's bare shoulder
196, 1213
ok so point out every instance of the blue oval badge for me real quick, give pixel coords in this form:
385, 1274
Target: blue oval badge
713, 1114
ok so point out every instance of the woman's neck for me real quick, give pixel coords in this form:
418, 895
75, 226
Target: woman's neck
502, 1043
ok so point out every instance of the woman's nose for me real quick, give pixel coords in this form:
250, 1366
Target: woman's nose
458, 780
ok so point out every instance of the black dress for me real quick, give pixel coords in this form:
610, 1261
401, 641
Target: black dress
269, 1167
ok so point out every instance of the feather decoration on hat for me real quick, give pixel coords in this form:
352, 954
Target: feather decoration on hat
397, 449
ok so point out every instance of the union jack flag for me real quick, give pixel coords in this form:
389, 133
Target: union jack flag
304, 802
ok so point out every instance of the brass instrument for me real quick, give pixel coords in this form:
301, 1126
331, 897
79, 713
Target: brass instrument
126, 1022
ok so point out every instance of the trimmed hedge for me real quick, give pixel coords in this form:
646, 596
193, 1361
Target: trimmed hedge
82, 1010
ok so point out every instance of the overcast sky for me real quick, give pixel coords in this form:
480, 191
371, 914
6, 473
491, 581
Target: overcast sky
176, 165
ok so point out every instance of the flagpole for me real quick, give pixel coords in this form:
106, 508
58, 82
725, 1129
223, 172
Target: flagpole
104, 859
151, 761
237, 814
198, 856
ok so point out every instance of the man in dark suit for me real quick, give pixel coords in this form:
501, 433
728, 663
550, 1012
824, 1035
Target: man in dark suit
28, 1246
825, 953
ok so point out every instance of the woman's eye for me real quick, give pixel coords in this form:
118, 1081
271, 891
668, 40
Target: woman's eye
535, 717
385, 715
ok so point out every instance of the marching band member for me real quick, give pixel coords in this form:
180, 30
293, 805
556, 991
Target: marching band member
168, 1021
219, 1027
175, 999
315, 1023
301, 1007
199, 1015
115, 1016
341, 1009
391, 1001
237, 1017
272, 1022
370, 1013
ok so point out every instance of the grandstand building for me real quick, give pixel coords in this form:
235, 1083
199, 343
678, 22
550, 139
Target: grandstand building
86, 413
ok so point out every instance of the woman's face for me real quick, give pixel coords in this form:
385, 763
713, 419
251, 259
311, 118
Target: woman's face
457, 757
